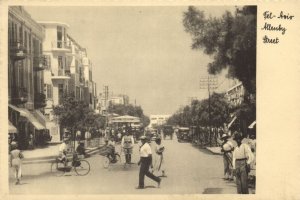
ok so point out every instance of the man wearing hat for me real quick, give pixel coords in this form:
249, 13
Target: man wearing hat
242, 157
227, 148
146, 162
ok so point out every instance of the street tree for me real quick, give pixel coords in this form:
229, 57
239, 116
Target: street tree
230, 40
73, 115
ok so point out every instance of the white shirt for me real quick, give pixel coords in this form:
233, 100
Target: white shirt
63, 147
228, 146
241, 152
145, 150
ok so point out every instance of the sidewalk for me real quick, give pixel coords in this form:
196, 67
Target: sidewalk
48, 153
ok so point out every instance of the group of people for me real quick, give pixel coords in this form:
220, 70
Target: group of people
237, 159
147, 161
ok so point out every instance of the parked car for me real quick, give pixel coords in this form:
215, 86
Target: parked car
183, 134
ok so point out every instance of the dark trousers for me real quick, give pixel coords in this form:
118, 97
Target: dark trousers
128, 158
144, 170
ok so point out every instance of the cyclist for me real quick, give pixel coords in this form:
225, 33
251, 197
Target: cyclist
110, 144
63, 152
80, 150
127, 145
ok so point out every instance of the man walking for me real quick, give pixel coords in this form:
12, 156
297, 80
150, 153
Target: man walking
227, 148
146, 162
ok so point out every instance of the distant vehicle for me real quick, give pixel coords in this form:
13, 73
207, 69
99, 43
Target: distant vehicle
183, 134
168, 131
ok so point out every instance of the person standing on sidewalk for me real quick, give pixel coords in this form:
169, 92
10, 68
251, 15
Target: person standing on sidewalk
242, 157
16, 157
145, 162
227, 148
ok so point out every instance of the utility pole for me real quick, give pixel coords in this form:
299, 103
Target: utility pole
210, 83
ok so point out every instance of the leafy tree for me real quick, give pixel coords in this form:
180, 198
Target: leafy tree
230, 40
198, 112
76, 115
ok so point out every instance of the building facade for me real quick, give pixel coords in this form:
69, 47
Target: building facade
26, 64
158, 120
57, 49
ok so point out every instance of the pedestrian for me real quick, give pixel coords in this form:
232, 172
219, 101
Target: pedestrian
158, 166
16, 157
227, 148
242, 157
145, 162
127, 145
87, 137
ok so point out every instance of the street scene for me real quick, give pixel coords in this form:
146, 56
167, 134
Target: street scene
132, 100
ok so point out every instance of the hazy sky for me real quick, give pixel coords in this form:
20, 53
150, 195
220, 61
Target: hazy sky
143, 52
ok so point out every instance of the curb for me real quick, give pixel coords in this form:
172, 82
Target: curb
214, 152
49, 159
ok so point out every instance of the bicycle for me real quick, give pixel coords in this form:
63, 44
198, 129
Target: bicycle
108, 159
81, 166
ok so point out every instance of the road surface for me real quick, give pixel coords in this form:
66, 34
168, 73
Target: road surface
190, 170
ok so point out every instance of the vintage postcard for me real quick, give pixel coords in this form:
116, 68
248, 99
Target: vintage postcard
140, 99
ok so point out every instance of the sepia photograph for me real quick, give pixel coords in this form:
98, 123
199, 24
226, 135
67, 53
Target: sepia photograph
132, 99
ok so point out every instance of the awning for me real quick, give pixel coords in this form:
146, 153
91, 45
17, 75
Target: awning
230, 124
25, 113
252, 125
20, 110
12, 128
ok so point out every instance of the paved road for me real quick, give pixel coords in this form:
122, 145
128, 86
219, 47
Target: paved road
190, 170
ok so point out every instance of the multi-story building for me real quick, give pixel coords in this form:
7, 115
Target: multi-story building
104, 100
57, 74
26, 64
158, 120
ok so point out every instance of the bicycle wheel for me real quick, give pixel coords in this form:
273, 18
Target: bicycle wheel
57, 169
106, 161
83, 169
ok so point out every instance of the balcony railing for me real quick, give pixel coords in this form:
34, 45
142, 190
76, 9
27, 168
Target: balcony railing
39, 100
18, 51
61, 45
20, 95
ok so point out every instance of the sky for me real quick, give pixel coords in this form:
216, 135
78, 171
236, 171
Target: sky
142, 52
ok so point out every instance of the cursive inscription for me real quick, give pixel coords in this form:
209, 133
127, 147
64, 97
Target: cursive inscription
269, 26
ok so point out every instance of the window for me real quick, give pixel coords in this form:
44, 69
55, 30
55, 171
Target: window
49, 91
59, 37
60, 92
60, 62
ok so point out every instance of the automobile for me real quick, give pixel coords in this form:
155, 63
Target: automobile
168, 131
183, 134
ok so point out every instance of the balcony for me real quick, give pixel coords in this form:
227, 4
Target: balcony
63, 46
17, 51
20, 95
61, 76
39, 100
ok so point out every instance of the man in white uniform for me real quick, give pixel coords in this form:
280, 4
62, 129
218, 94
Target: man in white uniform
146, 162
